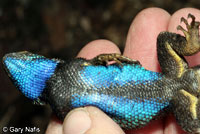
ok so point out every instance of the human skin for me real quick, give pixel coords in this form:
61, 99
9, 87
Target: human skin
140, 45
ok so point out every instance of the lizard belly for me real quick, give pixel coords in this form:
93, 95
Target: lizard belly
115, 90
129, 113
131, 95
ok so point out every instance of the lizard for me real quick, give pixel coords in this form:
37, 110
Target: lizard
131, 95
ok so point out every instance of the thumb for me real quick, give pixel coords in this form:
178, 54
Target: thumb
89, 120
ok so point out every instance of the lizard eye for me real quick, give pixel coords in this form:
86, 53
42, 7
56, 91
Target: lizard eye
29, 72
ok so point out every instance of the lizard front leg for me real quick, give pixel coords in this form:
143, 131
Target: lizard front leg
104, 59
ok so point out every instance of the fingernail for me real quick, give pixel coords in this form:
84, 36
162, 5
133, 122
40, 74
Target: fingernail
77, 122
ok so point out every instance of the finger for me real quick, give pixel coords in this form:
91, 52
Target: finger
171, 125
55, 126
90, 120
175, 21
142, 35
141, 45
97, 47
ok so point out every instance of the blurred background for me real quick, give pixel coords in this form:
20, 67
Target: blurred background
60, 28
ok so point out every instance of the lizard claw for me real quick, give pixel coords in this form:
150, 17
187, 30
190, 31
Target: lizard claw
192, 30
184, 21
191, 16
193, 24
190, 27
179, 27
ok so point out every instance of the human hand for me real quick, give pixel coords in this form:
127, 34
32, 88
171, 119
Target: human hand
140, 45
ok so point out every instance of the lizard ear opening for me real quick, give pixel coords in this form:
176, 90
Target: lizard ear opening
29, 72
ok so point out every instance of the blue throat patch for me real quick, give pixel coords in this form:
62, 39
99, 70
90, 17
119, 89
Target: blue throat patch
29, 72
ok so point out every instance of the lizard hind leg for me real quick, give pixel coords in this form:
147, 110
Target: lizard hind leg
186, 108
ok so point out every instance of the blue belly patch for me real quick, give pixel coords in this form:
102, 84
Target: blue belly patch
134, 111
107, 76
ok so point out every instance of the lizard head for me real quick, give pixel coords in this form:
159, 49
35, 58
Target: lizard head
29, 72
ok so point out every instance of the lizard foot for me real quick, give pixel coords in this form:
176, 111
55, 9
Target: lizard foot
193, 27
191, 34
103, 59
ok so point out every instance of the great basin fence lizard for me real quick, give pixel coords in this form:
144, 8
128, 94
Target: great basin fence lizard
131, 95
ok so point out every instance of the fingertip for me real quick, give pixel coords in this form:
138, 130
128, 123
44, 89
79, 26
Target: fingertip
98, 47
77, 122
54, 127
101, 123
89, 120
142, 35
